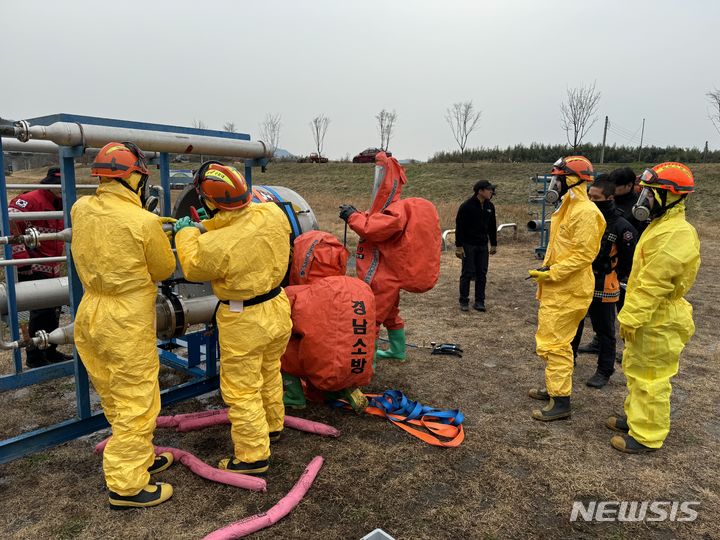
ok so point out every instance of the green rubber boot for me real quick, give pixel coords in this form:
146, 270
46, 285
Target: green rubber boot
397, 346
293, 395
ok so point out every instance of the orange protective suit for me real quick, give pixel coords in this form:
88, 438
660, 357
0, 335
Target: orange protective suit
333, 337
399, 244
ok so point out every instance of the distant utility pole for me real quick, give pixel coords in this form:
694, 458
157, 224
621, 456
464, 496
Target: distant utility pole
602, 152
705, 152
642, 133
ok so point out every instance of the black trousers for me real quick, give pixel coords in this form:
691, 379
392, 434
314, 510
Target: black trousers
602, 316
47, 319
474, 266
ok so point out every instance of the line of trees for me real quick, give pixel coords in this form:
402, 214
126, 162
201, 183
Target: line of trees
548, 153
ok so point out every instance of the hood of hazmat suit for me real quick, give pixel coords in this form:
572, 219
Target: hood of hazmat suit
666, 262
120, 251
244, 254
576, 230
317, 254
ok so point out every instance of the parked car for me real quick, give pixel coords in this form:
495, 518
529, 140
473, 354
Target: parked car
313, 158
368, 155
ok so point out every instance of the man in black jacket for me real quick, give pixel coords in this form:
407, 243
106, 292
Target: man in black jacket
474, 225
625, 196
610, 267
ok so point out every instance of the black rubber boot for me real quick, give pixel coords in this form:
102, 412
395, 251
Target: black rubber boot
162, 462
591, 348
617, 423
556, 409
539, 393
151, 495
258, 468
598, 380
628, 445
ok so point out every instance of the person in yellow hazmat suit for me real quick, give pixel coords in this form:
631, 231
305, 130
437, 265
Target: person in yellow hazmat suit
565, 281
656, 321
244, 254
120, 252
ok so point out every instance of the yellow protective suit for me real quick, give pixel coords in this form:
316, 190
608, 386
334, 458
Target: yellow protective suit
576, 229
244, 254
120, 251
665, 264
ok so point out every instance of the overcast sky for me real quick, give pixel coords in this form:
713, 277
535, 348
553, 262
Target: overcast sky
176, 61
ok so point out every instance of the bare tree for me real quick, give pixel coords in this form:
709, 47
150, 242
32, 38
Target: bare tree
463, 119
270, 130
319, 126
714, 113
229, 127
578, 113
386, 121
199, 124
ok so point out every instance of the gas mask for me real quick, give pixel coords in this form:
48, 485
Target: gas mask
643, 208
557, 188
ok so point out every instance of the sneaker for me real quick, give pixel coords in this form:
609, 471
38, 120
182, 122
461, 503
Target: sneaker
36, 359
161, 463
539, 393
464, 307
598, 380
150, 495
275, 436
628, 445
480, 306
617, 423
234, 465
591, 348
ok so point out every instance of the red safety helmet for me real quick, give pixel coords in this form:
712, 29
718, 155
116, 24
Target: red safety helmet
119, 160
574, 165
671, 176
222, 186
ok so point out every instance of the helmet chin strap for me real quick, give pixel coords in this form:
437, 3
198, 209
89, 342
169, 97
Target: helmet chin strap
140, 190
659, 209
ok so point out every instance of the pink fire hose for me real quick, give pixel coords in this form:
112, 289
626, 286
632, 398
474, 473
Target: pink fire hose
283, 507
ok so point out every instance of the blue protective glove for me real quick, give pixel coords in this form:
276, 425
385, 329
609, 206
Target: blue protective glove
182, 223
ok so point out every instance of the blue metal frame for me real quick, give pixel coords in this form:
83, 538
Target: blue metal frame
544, 229
202, 347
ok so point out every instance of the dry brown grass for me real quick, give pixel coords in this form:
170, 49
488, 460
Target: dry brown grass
511, 478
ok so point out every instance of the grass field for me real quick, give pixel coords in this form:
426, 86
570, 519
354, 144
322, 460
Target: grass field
511, 478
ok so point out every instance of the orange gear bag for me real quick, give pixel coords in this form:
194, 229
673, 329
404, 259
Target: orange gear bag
415, 256
333, 340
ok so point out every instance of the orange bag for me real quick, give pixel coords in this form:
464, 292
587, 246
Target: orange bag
415, 255
333, 340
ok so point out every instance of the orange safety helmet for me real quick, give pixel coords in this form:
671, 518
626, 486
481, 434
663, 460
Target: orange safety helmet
579, 166
222, 186
119, 160
671, 176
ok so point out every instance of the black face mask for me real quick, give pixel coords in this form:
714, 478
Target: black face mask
606, 207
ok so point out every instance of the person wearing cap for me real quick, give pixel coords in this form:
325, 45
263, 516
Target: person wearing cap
40, 200
475, 225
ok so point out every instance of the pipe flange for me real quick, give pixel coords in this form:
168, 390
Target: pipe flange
41, 339
22, 131
31, 238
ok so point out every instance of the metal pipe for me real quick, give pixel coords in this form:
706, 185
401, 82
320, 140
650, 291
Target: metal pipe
537, 224
33, 216
88, 135
37, 294
32, 238
49, 147
36, 260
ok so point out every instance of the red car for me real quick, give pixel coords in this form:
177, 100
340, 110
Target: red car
368, 155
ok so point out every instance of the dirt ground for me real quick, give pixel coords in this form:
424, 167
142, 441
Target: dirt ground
512, 477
